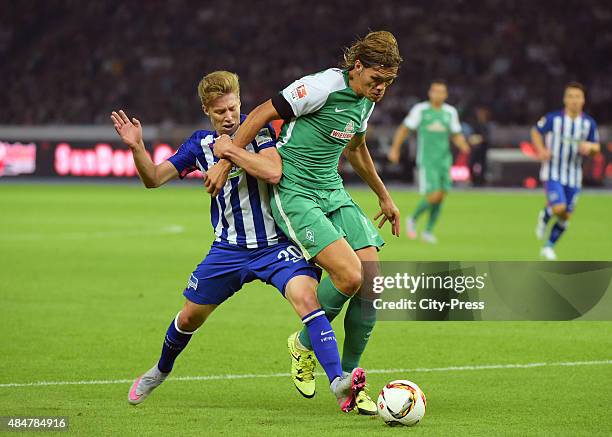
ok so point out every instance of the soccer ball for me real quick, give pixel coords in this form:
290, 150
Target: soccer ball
401, 402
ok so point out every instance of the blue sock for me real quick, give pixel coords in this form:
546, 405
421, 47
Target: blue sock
324, 342
556, 232
174, 343
546, 214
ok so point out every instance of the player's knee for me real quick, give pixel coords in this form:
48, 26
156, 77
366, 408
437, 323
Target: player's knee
307, 303
190, 320
435, 197
349, 281
560, 210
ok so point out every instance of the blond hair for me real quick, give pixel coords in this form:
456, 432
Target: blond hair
217, 84
376, 49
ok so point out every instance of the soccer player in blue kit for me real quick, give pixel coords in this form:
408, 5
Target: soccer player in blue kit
248, 244
561, 138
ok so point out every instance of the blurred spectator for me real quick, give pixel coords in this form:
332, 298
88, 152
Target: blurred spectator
479, 140
68, 61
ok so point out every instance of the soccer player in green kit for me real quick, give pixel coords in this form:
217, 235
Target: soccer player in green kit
435, 122
326, 114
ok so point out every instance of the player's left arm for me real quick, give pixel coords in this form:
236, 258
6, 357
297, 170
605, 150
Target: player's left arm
457, 136
591, 146
358, 155
460, 141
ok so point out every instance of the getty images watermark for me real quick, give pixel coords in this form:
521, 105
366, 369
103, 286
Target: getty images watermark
411, 284
488, 290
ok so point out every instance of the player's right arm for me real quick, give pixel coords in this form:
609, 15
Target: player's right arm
255, 121
543, 126
400, 135
542, 153
411, 122
130, 131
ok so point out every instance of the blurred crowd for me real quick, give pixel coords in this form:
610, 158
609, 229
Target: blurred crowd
72, 62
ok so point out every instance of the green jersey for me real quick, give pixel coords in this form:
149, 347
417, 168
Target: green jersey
327, 114
433, 127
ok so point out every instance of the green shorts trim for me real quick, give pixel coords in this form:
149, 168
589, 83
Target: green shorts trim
315, 218
434, 178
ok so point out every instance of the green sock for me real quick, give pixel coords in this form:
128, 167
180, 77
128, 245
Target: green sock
358, 325
433, 215
423, 206
331, 300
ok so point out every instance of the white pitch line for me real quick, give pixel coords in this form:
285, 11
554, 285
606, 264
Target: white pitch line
284, 375
120, 233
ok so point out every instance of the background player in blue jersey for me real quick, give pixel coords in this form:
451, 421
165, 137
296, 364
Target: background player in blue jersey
248, 244
561, 138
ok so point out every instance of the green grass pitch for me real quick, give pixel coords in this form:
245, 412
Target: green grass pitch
91, 276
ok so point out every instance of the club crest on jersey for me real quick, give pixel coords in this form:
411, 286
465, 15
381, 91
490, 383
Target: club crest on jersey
542, 122
299, 92
347, 134
310, 236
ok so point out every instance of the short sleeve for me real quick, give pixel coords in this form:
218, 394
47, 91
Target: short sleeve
185, 159
307, 95
455, 124
265, 138
364, 122
544, 124
413, 119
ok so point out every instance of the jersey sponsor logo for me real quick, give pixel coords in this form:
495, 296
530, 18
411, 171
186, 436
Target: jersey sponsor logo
340, 110
299, 92
347, 134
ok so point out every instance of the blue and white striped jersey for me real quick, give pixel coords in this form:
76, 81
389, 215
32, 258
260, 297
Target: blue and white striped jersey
240, 214
562, 136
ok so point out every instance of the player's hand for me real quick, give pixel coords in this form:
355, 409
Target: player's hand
216, 177
389, 212
394, 156
543, 155
130, 131
222, 145
586, 148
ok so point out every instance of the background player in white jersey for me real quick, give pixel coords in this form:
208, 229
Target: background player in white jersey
434, 122
248, 244
327, 114
561, 138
